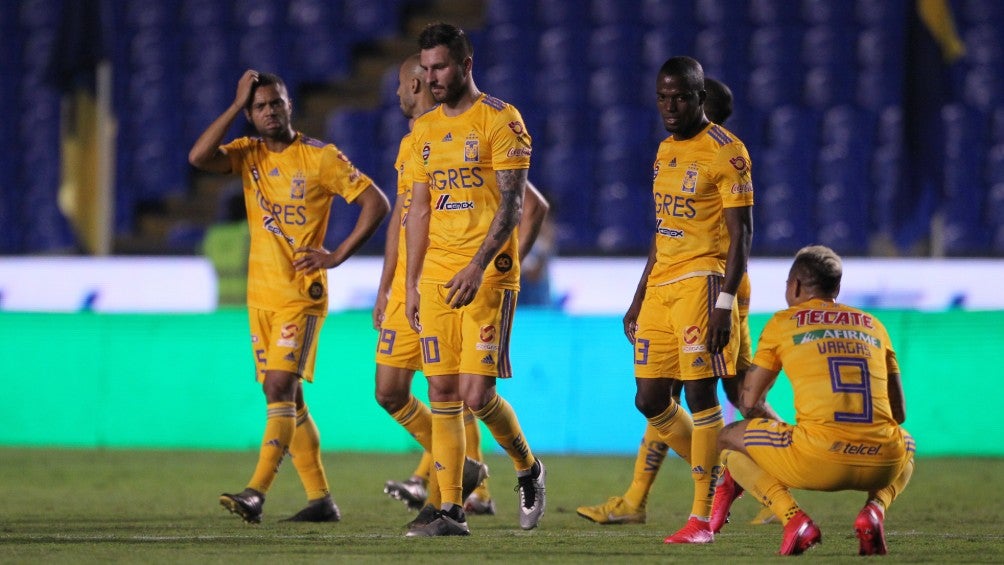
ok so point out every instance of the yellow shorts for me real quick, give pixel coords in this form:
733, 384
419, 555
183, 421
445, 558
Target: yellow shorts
671, 341
787, 454
398, 345
284, 341
745, 358
471, 340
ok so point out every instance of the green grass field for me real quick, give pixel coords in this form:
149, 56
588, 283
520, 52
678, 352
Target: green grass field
101, 506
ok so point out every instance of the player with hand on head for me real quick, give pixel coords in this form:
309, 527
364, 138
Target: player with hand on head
290, 182
630, 508
398, 353
473, 152
849, 407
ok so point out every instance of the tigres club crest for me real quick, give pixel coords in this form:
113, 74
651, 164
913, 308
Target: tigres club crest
690, 179
298, 187
471, 149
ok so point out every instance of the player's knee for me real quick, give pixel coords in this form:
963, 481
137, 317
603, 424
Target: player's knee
650, 406
392, 400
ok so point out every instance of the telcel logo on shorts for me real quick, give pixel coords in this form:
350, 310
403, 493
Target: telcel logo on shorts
855, 448
443, 203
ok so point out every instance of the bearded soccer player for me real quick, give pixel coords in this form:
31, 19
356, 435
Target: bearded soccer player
849, 407
470, 156
682, 317
290, 182
398, 353
631, 507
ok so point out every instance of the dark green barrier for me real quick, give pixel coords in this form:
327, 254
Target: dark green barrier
100, 380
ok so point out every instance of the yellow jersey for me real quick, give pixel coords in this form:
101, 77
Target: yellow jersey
694, 181
402, 165
288, 197
458, 157
838, 359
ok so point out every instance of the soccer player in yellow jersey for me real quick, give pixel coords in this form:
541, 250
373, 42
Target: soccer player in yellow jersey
398, 354
849, 405
630, 508
290, 182
682, 316
470, 157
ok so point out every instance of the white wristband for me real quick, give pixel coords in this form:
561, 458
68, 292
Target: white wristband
725, 301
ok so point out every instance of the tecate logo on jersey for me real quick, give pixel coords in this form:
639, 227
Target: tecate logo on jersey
443, 203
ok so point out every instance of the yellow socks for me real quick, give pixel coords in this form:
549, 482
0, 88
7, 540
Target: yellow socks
280, 427
676, 429
417, 419
650, 456
448, 446
888, 494
766, 488
305, 451
473, 431
705, 464
501, 420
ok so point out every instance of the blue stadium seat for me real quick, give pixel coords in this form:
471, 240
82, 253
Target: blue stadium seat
772, 12
770, 87
887, 13
984, 45
878, 89
661, 43
792, 126
827, 46
995, 206
783, 218
626, 162
354, 131
564, 46
775, 45
887, 180
995, 165
982, 11
982, 89
259, 48
890, 128
715, 48
320, 55
625, 124
509, 45
564, 88
825, 12
250, 14
609, 86
371, 19
880, 48
850, 127
393, 126
210, 15
140, 15
562, 13
39, 14
303, 14
679, 14
623, 212
997, 126
510, 83
605, 13
821, 89
719, 13
566, 127
510, 12
616, 46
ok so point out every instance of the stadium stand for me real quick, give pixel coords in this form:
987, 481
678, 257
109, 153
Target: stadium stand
821, 102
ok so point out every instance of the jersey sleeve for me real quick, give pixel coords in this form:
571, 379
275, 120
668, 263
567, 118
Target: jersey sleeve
510, 141
733, 175
419, 154
235, 151
339, 176
768, 353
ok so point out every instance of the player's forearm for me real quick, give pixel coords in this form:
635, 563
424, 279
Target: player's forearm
639, 291
739, 222
416, 233
390, 249
535, 208
205, 153
511, 184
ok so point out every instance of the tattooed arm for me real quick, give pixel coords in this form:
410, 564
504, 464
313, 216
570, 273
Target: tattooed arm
464, 285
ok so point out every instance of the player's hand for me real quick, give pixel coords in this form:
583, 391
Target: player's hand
719, 329
248, 79
464, 286
313, 259
411, 309
631, 322
379, 311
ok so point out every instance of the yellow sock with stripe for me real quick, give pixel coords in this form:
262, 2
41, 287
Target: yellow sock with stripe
888, 494
768, 490
448, 446
280, 426
501, 420
305, 450
473, 431
417, 419
705, 465
676, 429
651, 454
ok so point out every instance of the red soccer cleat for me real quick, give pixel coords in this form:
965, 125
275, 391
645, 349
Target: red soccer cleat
871, 533
727, 491
694, 531
800, 533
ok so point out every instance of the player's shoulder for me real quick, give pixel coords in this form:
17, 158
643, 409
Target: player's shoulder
313, 142
721, 136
